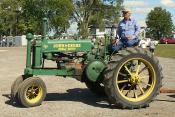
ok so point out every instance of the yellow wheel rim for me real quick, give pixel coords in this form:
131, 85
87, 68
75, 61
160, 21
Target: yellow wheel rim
33, 93
136, 79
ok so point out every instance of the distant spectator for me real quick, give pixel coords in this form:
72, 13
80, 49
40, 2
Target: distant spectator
4, 41
0, 42
152, 46
10, 43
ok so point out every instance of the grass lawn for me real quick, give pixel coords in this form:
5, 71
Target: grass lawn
165, 50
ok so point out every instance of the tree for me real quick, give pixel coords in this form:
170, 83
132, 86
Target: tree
84, 12
9, 16
58, 12
62, 10
18, 17
96, 13
159, 23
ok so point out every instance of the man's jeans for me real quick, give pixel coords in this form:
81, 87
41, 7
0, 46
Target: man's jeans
124, 43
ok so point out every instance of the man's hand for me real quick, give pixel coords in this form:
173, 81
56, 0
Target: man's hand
130, 37
114, 41
117, 40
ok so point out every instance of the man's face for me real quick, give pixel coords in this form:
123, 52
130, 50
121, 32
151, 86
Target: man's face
127, 15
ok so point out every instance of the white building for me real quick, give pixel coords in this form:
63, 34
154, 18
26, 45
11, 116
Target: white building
109, 30
20, 40
173, 34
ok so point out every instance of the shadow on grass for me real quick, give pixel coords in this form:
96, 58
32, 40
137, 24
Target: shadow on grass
76, 94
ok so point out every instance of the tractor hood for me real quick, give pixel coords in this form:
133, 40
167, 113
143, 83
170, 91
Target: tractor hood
67, 45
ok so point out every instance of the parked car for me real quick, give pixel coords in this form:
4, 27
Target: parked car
167, 40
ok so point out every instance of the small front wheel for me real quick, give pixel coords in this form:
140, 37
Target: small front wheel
32, 92
15, 86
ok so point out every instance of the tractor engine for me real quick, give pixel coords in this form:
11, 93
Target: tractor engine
70, 55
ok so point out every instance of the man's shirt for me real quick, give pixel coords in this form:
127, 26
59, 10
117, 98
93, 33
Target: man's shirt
128, 28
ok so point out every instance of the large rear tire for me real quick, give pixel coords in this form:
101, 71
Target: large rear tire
133, 78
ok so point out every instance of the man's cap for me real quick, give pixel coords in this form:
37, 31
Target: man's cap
126, 10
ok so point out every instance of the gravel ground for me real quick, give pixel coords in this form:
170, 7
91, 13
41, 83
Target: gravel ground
69, 98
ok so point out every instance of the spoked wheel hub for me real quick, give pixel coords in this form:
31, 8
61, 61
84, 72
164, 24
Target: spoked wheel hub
139, 82
34, 93
134, 79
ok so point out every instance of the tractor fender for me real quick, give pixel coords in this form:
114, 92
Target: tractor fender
94, 70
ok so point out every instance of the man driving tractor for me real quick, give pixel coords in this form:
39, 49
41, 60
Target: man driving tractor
128, 31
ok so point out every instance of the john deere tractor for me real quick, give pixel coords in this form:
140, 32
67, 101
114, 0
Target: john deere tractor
130, 78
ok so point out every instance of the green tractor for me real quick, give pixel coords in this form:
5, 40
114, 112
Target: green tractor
130, 78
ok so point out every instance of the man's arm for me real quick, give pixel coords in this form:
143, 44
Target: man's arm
137, 30
118, 34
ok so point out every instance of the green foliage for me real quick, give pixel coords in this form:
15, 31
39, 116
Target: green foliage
159, 23
58, 11
21, 16
8, 16
63, 9
18, 17
84, 12
95, 13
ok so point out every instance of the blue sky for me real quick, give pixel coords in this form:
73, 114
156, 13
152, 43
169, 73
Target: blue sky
141, 8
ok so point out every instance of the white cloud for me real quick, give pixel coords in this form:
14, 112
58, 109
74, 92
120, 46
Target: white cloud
142, 23
134, 3
142, 10
138, 6
168, 3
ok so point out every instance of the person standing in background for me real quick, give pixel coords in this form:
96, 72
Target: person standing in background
152, 46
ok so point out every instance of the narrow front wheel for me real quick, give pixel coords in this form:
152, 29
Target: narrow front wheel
32, 92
